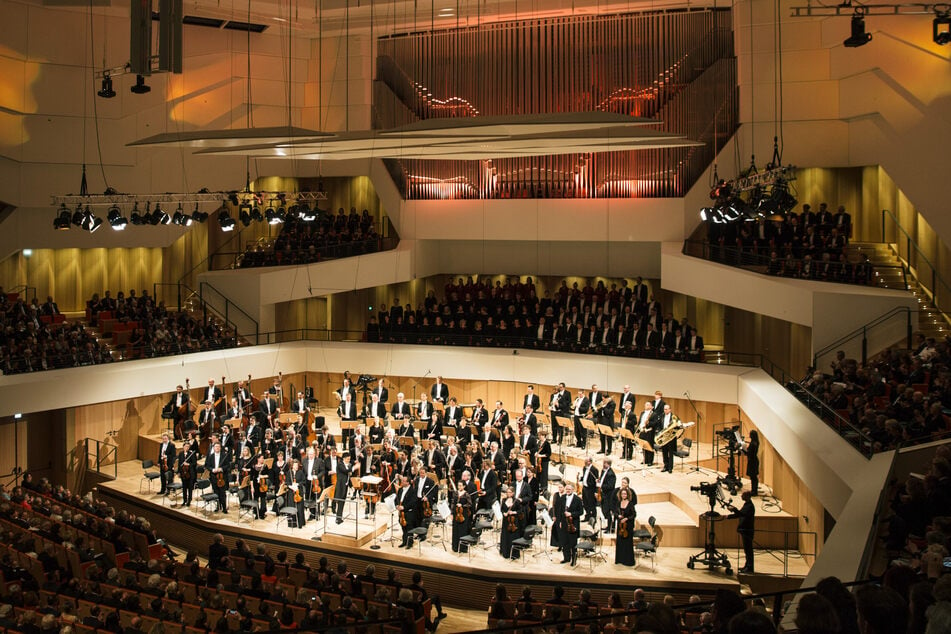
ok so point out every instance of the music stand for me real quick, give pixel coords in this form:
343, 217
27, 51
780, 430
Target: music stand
558, 420
589, 426
607, 430
626, 435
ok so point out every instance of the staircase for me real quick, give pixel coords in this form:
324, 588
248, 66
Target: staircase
889, 271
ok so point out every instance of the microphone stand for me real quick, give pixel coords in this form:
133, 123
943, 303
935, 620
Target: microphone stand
697, 468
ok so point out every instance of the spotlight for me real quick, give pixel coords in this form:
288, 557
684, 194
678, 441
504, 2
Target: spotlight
106, 92
306, 213
90, 222
181, 218
64, 219
293, 213
859, 37
140, 88
78, 215
256, 214
225, 221
137, 218
245, 215
199, 216
116, 221
941, 28
159, 216
276, 217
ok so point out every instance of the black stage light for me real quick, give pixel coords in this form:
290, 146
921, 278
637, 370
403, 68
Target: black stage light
256, 214
245, 215
941, 29
140, 88
116, 220
64, 219
78, 215
225, 221
106, 92
859, 37
135, 217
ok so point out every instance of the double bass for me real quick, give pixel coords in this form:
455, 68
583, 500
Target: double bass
185, 412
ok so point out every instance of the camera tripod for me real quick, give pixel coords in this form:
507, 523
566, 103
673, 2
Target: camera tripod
710, 556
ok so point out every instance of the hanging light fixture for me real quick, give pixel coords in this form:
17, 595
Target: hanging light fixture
106, 92
140, 87
859, 37
135, 217
116, 219
62, 221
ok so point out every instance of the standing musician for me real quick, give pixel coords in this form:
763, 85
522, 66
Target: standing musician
500, 417
528, 442
530, 420
626, 486
218, 465
568, 520
242, 469
213, 393
348, 412
166, 463
424, 411
188, 471
625, 397
330, 470
531, 399
624, 541
488, 485
279, 471
345, 389
323, 441
381, 391
255, 431
606, 417
434, 460
486, 436
454, 464
342, 486
595, 399
579, 409
494, 456
453, 418
376, 432
260, 481
313, 468
178, 407
295, 482
427, 494
646, 431
234, 413
406, 429
433, 429
206, 419
667, 451
513, 523
376, 408
588, 484
269, 408
439, 391
299, 406
542, 460
557, 509
606, 487
368, 464
531, 479
628, 422
242, 394
268, 445
560, 405
480, 416
227, 439
461, 503
406, 503
294, 445
401, 409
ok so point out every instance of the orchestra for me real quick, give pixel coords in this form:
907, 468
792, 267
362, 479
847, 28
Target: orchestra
416, 455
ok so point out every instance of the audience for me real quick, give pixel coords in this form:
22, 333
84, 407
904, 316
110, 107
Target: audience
620, 320
327, 237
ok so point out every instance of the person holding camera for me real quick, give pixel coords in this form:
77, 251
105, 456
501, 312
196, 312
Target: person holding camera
745, 527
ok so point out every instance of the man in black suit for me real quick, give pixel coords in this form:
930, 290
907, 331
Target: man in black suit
579, 409
531, 399
178, 408
348, 412
213, 393
529, 419
166, 463
746, 528
589, 488
607, 482
207, 418
693, 345
343, 483
406, 503
269, 407
401, 408
560, 406
500, 417
571, 508
299, 406
376, 408
424, 411
218, 466
488, 486
667, 451
381, 391
528, 443
440, 391
217, 551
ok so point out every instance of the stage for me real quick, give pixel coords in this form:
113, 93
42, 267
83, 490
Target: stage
362, 540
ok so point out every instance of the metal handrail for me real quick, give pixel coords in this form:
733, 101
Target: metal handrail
23, 288
911, 244
786, 549
863, 330
228, 304
104, 452
235, 259
849, 432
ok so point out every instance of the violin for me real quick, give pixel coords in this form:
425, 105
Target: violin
221, 479
622, 529
570, 523
512, 522
427, 508
460, 513
297, 497
403, 518
262, 483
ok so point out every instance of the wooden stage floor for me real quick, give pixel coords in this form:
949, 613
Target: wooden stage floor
667, 497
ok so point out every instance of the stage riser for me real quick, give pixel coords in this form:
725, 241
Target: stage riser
447, 574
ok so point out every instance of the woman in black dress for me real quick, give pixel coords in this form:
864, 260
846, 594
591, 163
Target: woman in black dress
752, 461
513, 522
461, 515
624, 539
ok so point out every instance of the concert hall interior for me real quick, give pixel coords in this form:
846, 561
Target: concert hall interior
726, 209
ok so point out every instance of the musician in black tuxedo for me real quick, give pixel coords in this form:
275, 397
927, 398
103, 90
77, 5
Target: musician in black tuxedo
406, 504
488, 488
376, 408
667, 451
424, 411
255, 432
348, 412
343, 484
401, 409
560, 406
645, 423
530, 420
588, 480
500, 417
178, 407
693, 345
381, 391
166, 463
528, 443
453, 418
571, 508
188, 471
268, 406
629, 422
206, 419
607, 482
299, 406
579, 409
296, 483
213, 393
439, 391
219, 463
345, 389
544, 452
531, 399
427, 490
260, 477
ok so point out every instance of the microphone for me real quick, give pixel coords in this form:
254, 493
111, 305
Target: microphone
687, 394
